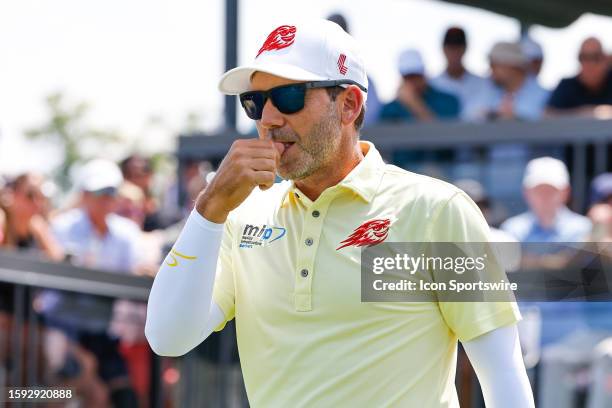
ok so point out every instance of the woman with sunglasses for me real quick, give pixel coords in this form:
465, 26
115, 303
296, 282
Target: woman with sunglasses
23, 223
22, 227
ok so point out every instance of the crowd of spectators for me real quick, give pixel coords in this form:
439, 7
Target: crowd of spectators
511, 89
113, 221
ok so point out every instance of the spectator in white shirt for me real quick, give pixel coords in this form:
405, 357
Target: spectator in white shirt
456, 79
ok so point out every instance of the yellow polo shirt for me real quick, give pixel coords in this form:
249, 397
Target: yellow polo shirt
304, 336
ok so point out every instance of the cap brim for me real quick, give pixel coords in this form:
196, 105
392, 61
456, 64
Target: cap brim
415, 71
532, 182
238, 80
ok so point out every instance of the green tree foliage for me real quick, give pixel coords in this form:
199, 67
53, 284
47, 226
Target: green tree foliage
67, 125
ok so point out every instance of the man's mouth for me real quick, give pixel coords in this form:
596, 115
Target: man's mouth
282, 147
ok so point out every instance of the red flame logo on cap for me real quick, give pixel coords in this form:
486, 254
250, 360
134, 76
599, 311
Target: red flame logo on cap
280, 38
368, 234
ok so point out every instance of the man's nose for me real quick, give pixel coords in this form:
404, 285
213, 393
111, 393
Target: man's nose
270, 116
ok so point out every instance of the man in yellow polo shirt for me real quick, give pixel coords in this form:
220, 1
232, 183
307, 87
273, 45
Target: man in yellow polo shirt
284, 259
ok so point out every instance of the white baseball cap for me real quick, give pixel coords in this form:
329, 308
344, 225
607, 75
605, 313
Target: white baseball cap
546, 170
315, 50
99, 174
508, 53
411, 62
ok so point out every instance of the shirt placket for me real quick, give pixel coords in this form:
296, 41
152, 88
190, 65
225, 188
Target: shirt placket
307, 251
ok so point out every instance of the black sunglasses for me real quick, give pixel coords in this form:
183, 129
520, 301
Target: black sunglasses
288, 99
105, 192
591, 57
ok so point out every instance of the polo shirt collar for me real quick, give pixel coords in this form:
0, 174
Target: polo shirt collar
363, 180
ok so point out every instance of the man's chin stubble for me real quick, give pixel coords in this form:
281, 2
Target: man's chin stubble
296, 174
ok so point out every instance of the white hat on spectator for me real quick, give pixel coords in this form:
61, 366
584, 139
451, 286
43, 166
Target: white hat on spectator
546, 170
99, 174
315, 50
411, 62
531, 49
508, 53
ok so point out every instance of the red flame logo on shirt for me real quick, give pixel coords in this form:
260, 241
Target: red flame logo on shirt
278, 39
368, 234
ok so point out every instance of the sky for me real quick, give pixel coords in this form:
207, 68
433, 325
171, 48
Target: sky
135, 60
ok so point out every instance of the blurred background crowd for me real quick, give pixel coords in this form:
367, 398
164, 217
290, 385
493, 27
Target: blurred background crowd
111, 221
122, 217
511, 90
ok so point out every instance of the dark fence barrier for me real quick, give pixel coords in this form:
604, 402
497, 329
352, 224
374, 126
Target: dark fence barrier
484, 151
208, 376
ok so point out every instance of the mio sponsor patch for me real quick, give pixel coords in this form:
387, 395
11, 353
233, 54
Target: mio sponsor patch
260, 235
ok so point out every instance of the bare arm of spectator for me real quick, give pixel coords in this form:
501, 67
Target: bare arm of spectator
587, 111
411, 99
44, 237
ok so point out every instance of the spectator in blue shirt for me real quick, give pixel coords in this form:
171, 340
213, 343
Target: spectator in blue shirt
512, 93
416, 99
95, 237
546, 189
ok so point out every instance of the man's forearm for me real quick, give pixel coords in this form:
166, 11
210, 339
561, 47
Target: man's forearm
179, 306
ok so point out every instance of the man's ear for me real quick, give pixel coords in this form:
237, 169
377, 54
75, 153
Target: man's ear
352, 101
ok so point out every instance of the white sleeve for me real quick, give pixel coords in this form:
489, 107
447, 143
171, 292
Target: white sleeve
180, 310
497, 360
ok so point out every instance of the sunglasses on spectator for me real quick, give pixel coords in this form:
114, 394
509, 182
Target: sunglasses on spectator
411, 76
104, 192
287, 99
591, 57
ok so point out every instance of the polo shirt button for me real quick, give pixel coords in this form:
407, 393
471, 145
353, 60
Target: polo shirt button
308, 241
304, 273
316, 213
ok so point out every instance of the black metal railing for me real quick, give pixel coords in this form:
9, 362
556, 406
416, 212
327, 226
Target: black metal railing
207, 376
26, 273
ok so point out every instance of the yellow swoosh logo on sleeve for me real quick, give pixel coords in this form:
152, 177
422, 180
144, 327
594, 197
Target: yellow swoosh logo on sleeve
173, 254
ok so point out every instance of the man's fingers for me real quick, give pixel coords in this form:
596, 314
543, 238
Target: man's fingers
261, 152
252, 144
256, 148
263, 164
264, 179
